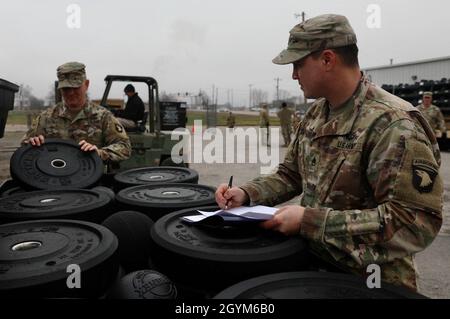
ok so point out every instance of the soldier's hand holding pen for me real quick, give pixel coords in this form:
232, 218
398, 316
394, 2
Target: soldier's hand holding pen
231, 197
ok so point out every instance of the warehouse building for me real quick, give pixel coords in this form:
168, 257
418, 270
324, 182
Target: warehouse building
411, 72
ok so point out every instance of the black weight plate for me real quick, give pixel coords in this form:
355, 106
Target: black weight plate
34, 257
155, 175
13, 191
80, 204
312, 285
156, 200
214, 257
143, 284
56, 164
8, 187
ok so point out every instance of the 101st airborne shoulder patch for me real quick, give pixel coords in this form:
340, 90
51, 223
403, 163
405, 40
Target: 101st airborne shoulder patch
119, 128
424, 175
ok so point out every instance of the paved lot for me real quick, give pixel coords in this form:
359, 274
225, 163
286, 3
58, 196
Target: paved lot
433, 263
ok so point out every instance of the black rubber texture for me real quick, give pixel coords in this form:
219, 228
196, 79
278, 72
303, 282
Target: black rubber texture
56, 164
213, 258
80, 204
135, 243
157, 200
143, 284
313, 285
41, 272
154, 175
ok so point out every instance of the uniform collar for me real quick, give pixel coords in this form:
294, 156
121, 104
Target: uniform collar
342, 123
83, 114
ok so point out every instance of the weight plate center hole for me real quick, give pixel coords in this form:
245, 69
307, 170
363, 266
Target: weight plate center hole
26, 245
171, 193
156, 177
58, 163
48, 200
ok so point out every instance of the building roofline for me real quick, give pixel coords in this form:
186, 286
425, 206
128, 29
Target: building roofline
406, 63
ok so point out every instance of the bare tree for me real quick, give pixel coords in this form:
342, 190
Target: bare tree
284, 95
259, 96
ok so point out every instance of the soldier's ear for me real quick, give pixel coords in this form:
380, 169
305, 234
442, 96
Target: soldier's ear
86, 83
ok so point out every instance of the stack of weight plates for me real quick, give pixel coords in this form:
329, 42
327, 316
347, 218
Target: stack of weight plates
56, 259
157, 200
209, 258
50, 181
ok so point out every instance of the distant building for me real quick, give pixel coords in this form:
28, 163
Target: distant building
410, 72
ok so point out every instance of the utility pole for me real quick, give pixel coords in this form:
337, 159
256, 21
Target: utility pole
250, 96
278, 88
303, 14
232, 97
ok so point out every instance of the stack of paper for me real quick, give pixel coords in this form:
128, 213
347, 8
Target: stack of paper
239, 214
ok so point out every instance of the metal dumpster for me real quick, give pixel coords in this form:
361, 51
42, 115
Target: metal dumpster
7, 90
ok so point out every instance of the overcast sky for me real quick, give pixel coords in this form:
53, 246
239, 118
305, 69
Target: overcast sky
187, 45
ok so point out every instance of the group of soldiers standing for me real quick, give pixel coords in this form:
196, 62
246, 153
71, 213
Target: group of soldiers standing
290, 119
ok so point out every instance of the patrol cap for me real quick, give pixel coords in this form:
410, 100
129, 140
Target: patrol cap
71, 75
427, 93
319, 33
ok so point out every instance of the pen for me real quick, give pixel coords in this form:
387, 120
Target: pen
230, 183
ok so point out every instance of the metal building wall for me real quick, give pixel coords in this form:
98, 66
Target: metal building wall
431, 70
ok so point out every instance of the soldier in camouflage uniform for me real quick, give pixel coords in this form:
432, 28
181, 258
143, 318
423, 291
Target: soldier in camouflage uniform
231, 120
365, 162
432, 113
264, 123
285, 115
76, 118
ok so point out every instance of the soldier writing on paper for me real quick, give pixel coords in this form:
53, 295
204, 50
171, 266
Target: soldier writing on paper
365, 162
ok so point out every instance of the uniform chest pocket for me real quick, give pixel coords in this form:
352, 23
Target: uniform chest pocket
320, 169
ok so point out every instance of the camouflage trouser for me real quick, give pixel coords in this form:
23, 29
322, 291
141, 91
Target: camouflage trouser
286, 131
264, 135
126, 123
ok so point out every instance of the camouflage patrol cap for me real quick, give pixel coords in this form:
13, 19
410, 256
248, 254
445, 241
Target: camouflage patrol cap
322, 32
427, 93
71, 75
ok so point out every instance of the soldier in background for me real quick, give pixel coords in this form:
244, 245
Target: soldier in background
365, 162
264, 123
433, 114
285, 115
134, 109
231, 120
76, 118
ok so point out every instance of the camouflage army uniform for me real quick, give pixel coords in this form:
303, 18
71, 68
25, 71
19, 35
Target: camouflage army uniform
434, 116
369, 179
94, 124
231, 121
285, 115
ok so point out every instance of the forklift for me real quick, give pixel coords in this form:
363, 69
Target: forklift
150, 145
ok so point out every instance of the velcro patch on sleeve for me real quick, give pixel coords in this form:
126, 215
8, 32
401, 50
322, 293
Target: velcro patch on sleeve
418, 181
